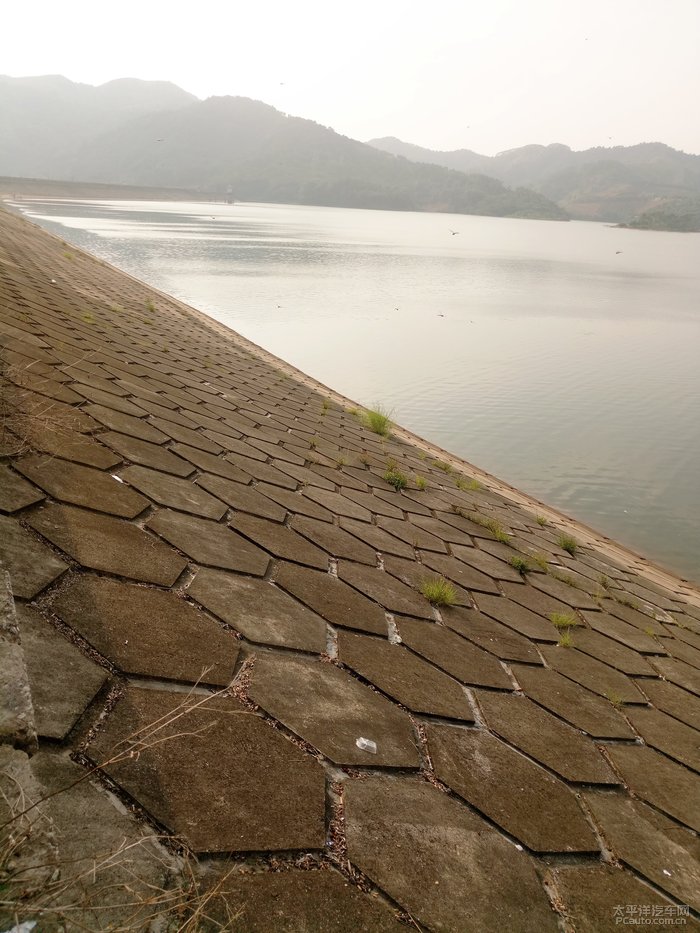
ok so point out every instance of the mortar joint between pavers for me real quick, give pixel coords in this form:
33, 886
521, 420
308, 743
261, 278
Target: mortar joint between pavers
549, 884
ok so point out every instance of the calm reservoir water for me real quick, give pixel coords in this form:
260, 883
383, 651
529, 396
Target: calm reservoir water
564, 358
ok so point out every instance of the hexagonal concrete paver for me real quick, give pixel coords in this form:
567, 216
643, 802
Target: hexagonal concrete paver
679, 673
674, 701
561, 590
292, 901
82, 485
108, 544
686, 647
460, 573
108, 400
295, 502
385, 589
174, 491
216, 774
598, 898
661, 782
534, 600
32, 565
440, 861
178, 432
63, 441
671, 737
377, 538
146, 454
517, 617
126, 424
622, 632
241, 498
511, 790
657, 848
594, 675
148, 631
412, 534
580, 707
337, 602
337, 504
209, 543
369, 501
280, 541
485, 563
209, 463
415, 575
263, 472
15, 492
261, 612
612, 653
333, 539
453, 654
542, 736
331, 710
490, 635
441, 530
62, 680
403, 676
111, 864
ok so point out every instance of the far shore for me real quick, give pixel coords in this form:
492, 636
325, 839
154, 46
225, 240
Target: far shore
48, 188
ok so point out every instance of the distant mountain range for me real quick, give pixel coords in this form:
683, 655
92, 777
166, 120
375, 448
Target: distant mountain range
619, 183
152, 133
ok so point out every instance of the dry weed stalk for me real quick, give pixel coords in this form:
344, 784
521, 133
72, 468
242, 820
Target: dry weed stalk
27, 416
70, 894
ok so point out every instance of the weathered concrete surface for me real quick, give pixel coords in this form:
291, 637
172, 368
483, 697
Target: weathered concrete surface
17, 725
441, 861
187, 521
292, 901
148, 631
62, 680
210, 773
59, 873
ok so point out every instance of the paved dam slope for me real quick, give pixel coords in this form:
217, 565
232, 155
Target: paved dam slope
332, 680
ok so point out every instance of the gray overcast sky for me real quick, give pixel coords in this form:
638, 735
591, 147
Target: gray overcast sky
488, 75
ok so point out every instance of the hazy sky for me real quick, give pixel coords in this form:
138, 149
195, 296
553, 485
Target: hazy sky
487, 75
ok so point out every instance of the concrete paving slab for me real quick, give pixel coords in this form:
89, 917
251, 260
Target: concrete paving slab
213, 770
659, 781
15, 492
111, 545
81, 485
146, 631
260, 611
291, 901
545, 738
420, 845
650, 844
332, 711
32, 565
510, 790
597, 899
209, 543
62, 680
403, 676
453, 654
